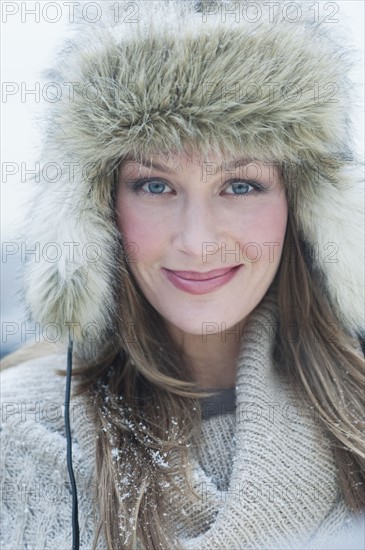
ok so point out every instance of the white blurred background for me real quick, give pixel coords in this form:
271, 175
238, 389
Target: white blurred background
27, 48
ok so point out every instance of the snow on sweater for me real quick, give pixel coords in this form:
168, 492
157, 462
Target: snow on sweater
266, 474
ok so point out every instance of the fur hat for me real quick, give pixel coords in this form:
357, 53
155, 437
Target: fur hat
154, 76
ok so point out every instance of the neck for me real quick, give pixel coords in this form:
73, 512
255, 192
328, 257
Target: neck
213, 362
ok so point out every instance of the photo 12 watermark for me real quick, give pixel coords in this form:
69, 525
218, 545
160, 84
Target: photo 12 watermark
54, 333
53, 92
127, 12
270, 11
252, 252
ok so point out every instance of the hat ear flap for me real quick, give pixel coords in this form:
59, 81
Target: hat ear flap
71, 279
333, 223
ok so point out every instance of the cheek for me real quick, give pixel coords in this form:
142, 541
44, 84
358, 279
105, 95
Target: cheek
142, 236
264, 234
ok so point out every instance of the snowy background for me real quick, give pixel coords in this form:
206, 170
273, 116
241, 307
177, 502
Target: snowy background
27, 48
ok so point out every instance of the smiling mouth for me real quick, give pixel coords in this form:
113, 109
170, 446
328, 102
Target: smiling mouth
201, 276
196, 282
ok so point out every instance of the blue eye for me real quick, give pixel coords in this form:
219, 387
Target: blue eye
243, 188
150, 187
156, 187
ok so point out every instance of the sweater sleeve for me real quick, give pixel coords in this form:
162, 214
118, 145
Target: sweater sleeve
36, 498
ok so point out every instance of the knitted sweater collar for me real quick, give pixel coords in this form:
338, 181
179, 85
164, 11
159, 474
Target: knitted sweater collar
283, 479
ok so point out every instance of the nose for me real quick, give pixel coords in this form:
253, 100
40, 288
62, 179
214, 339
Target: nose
196, 225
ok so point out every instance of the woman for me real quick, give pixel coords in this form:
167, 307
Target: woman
208, 285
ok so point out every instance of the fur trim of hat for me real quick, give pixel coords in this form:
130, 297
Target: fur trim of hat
172, 73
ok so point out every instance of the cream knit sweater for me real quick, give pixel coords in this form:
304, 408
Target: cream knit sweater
266, 474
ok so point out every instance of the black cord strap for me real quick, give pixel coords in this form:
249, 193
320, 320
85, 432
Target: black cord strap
75, 519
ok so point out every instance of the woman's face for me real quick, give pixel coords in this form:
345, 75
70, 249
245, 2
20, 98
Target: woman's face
183, 217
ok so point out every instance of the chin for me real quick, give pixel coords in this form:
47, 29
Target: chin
187, 326
204, 326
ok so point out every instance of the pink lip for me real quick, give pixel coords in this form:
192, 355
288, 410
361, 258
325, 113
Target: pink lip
201, 283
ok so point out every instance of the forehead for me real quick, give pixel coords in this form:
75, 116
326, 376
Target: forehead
181, 160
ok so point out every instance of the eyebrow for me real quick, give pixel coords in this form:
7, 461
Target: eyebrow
156, 165
239, 162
